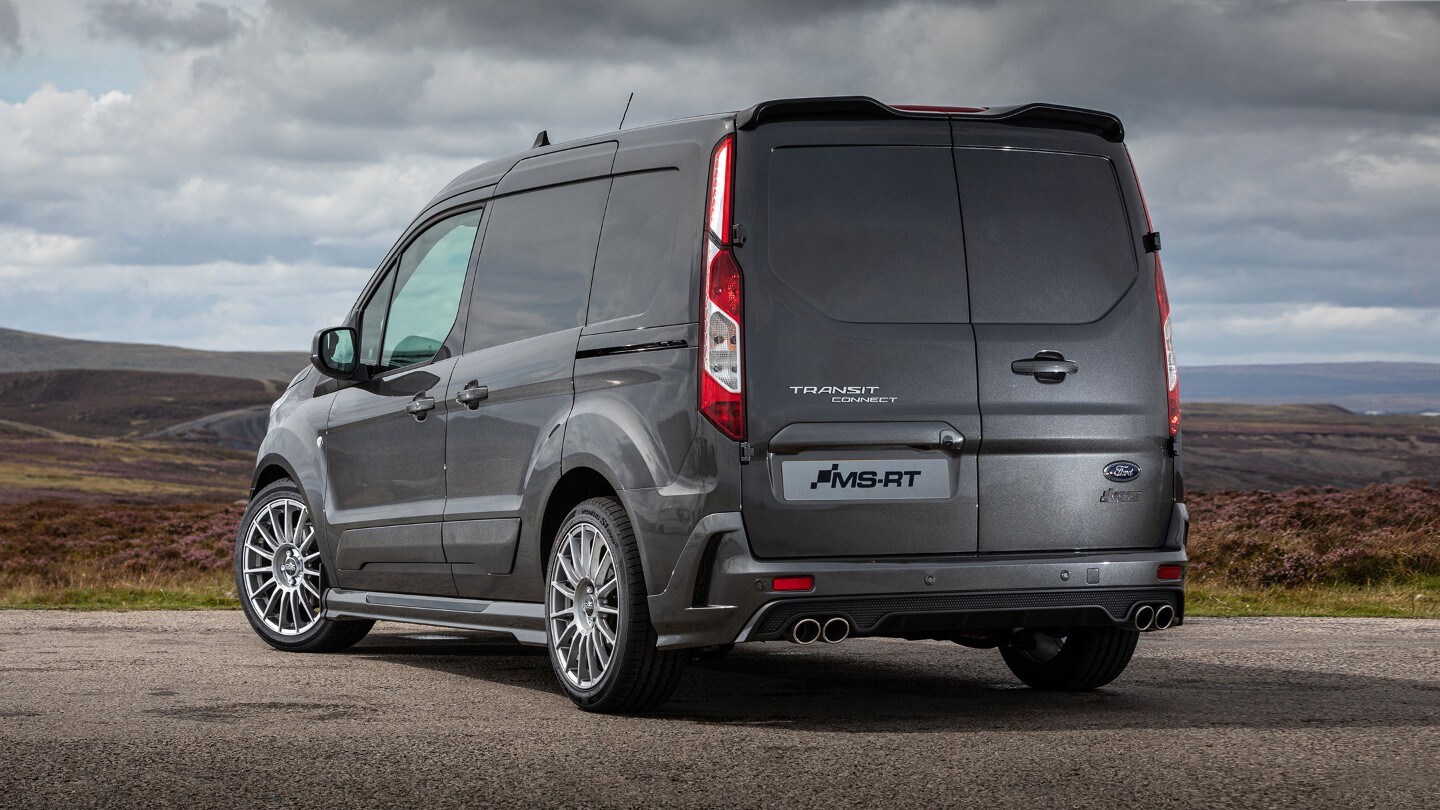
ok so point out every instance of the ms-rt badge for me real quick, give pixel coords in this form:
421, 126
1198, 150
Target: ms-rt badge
874, 480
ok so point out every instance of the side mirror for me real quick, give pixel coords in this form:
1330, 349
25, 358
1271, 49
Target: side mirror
333, 352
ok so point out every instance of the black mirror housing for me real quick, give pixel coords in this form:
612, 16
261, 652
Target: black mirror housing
333, 352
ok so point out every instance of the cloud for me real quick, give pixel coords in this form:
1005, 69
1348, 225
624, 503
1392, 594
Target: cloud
156, 23
9, 28
1290, 151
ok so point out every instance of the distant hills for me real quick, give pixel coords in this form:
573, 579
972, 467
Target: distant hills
92, 419
27, 351
1359, 387
121, 403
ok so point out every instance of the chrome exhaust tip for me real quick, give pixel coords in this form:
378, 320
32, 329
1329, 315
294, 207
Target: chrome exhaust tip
805, 631
1164, 617
1144, 618
836, 630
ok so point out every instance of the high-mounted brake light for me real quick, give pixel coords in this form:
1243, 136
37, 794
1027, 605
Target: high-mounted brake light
1172, 369
722, 378
937, 108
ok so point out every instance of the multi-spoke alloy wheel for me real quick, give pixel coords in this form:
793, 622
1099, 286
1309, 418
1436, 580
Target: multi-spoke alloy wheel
279, 576
603, 649
281, 567
584, 605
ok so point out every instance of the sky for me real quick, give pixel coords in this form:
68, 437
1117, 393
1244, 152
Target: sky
227, 175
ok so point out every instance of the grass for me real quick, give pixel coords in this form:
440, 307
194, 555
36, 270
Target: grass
1309, 552
1419, 599
213, 591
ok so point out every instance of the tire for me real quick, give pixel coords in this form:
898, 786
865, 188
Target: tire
283, 602
595, 589
1087, 658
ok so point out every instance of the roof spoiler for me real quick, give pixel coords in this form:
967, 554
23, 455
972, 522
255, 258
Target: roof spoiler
1050, 116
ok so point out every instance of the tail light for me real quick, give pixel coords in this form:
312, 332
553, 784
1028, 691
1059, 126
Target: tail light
722, 373
1172, 369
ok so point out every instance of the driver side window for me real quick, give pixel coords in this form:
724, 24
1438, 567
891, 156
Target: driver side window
415, 306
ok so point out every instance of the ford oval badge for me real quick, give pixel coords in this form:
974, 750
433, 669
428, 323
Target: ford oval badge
1122, 471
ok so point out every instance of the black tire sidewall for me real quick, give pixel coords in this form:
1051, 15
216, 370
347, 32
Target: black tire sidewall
621, 543
283, 488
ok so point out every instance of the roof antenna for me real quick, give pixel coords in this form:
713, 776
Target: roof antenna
543, 139
627, 111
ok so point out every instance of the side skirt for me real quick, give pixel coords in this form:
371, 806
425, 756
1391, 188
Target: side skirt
523, 620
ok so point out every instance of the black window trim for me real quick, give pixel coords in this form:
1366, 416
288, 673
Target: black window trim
392, 263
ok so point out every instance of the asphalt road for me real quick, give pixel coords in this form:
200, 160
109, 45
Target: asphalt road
191, 710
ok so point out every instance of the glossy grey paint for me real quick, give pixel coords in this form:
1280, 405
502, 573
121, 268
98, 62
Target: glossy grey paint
632, 419
1045, 446
928, 367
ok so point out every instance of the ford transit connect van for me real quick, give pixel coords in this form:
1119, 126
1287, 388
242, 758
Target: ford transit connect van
824, 368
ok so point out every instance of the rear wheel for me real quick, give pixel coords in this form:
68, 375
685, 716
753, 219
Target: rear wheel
279, 578
1078, 660
602, 646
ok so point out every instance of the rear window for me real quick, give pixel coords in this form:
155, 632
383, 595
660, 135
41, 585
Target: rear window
1046, 236
869, 234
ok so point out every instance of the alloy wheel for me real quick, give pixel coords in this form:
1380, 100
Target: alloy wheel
281, 567
584, 605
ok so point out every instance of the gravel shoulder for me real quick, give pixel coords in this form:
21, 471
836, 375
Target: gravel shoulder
190, 709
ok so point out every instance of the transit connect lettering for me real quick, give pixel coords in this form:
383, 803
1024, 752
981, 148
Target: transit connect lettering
865, 479
844, 393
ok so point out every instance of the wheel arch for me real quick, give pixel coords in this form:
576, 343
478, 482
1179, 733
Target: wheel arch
576, 486
270, 469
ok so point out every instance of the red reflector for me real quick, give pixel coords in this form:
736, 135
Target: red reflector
793, 583
1170, 571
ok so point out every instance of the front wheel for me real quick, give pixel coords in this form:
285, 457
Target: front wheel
279, 578
1080, 659
602, 646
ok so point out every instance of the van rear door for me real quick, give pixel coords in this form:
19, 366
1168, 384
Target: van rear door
1058, 274
861, 397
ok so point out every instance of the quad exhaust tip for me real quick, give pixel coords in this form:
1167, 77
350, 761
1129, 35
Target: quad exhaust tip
805, 631
808, 631
1164, 617
1144, 618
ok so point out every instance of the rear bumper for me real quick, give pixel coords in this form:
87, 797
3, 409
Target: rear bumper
720, 594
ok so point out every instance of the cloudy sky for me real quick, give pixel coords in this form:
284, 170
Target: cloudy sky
226, 175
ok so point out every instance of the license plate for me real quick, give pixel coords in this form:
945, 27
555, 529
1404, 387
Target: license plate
865, 480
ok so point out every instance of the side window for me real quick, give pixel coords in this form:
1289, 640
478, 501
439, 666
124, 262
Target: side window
643, 256
534, 273
427, 285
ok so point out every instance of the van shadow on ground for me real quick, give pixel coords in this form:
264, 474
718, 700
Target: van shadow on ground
871, 686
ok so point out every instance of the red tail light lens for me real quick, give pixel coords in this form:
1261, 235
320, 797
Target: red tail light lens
722, 397
1169, 571
1172, 368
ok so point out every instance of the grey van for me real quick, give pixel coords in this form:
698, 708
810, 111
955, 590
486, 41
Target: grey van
823, 368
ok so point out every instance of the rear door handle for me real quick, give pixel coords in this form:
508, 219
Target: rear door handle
473, 394
1046, 367
420, 407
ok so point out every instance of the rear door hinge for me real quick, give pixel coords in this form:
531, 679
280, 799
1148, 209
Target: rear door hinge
1152, 242
747, 453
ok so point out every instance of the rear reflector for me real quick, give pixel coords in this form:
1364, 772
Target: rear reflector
793, 584
1170, 571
